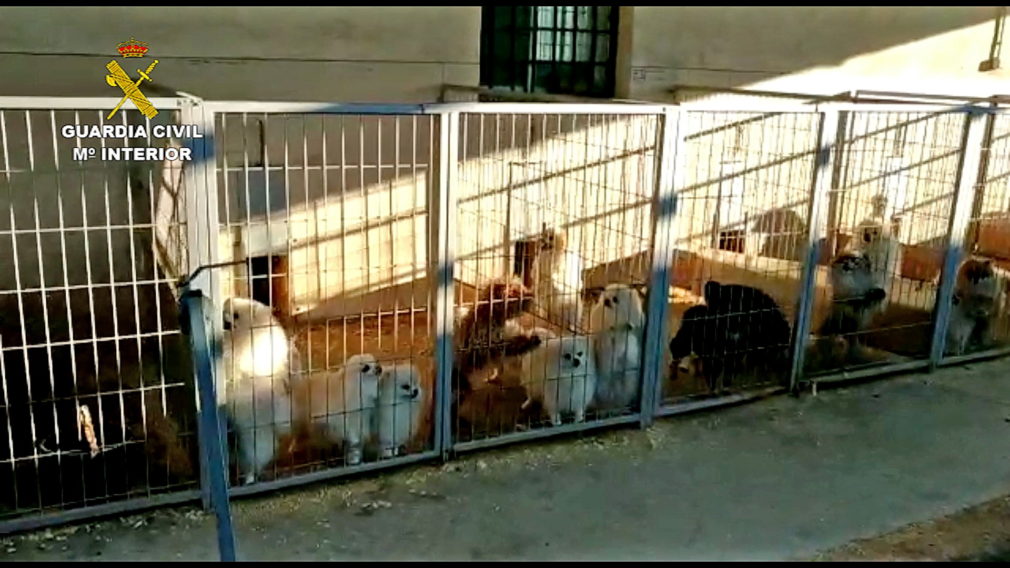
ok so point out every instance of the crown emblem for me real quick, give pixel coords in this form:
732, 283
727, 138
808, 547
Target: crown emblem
132, 48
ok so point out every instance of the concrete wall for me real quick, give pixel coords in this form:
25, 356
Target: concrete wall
821, 50
390, 54
367, 213
357, 239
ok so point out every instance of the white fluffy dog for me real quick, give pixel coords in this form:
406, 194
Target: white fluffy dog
561, 374
882, 248
342, 403
256, 361
617, 322
559, 280
400, 405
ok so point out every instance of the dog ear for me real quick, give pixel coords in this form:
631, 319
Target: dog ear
592, 295
711, 292
642, 289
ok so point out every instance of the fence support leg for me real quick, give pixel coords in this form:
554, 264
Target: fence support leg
195, 309
670, 136
442, 231
968, 177
816, 231
201, 200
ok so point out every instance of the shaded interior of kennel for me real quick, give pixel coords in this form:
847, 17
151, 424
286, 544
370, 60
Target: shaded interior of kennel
89, 325
592, 176
326, 218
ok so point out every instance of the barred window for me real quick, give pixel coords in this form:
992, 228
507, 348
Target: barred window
569, 50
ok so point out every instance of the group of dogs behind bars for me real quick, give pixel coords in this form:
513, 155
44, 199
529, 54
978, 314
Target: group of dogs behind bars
505, 367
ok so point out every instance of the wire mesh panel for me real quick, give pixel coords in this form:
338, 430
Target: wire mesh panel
740, 239
553, 242
327, 311
979, 320
98, 401
888, 217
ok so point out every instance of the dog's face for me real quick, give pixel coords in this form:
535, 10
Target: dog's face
622, 304
552, 239
404, 385
852, 277
975, 306
691, 326
690, 366
871, 233
244, 313
364, 364
574, 352
977, 278
974, 270
505, 300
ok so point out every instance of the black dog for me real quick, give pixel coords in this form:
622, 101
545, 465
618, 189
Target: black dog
739, 328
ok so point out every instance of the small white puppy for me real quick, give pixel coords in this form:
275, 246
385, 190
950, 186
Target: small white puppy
561, 374
342, 403
559, 281
882, 248
400, 405
255, 355
617, 322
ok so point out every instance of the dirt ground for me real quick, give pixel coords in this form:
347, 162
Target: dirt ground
980, 533
741, 483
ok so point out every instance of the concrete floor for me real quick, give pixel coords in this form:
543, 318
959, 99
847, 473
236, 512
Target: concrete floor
782, 478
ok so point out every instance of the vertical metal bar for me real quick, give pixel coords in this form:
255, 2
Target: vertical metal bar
820, 188
91, 301
195, 236
153, 192
14, 252
202, 236
443, 229
982, 194
141, 391
114, 303
670, 135
195, 308
834, 199
45, 304
964, 197
18, 281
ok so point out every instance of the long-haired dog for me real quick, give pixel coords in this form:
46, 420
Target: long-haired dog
495, 405
400, 408
617, 324
561, 375
878, 243
480, 333
740, 329
256, 360
339, 406
977, 298
855, 297
559, 280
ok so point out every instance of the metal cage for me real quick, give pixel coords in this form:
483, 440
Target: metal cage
436, 238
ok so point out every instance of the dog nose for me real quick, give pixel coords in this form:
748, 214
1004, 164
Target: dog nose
414, 393
378, 369
227, 324
576, 362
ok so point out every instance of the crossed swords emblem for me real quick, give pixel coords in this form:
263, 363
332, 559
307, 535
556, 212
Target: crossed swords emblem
130, 88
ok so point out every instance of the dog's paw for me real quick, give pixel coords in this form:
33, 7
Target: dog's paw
353, 456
